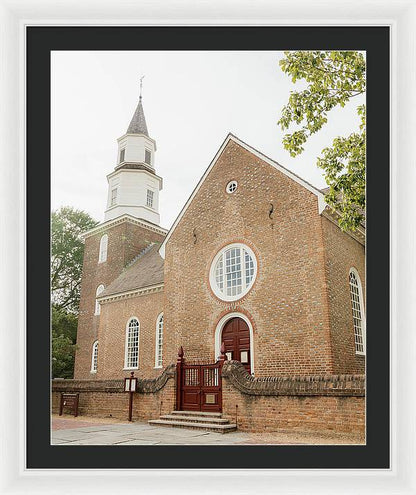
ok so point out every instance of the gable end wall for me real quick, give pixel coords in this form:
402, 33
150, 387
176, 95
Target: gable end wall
288, 302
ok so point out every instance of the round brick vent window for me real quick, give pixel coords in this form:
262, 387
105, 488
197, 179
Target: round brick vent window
233, 272
231, 186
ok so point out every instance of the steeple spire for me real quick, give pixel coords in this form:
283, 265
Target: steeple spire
138, 122
133, 187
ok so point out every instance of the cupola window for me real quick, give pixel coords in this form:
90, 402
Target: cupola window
113, 197
150, 195
147, 157
122, 155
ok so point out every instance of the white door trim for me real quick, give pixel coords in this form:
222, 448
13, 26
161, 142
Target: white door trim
218, 333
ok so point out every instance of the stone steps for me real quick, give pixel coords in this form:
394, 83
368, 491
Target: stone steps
200, 414
195, 420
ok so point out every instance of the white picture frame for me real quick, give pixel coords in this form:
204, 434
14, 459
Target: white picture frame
401, 16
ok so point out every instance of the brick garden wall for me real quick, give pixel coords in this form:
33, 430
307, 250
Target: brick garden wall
105, 398
320, 403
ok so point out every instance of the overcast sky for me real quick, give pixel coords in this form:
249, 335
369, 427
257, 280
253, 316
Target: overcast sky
191, 101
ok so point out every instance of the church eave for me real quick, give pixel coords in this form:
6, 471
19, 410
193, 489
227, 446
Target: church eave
135, 171
102, 227
151, 289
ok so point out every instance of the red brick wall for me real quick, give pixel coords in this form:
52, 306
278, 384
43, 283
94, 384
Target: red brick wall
112, 335
303, 413
288, 302
339, 406
342, 252
116, 404
125, 241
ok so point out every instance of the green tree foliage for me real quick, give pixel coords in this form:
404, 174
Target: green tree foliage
66, 268
67, 256
64, 333
332, 78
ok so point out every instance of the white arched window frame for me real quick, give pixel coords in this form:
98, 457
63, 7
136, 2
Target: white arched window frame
94, 357
233, 272
358, 313
159, 342
131, 353
103, 249
97, 311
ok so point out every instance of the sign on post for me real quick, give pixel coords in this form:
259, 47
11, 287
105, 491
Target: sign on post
69, 401
130, 385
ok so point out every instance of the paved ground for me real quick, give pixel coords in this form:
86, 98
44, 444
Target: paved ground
95, 431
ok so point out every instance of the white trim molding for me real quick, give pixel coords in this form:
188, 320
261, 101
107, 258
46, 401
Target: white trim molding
126, 342
131, 293
94, 357
157, 347
218, 333
102, 227
244, 287
354, 271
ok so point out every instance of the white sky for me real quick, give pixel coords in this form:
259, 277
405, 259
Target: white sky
191, 101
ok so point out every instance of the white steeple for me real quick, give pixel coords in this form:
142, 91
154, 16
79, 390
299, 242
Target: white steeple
133, 187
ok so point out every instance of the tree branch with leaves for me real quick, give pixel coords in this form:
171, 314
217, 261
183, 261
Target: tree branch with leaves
333, 78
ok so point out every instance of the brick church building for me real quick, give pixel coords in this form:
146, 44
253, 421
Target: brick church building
255, 269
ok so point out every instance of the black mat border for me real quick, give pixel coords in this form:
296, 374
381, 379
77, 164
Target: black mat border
40, 42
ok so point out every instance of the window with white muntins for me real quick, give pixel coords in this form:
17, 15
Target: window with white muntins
233, 272
149, 200
103, 249
94, 358
97, 311
357, 305
231, 186
159, 342
131, 360
113, 197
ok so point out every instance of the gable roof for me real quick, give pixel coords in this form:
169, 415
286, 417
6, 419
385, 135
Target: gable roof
285, 171
146, 270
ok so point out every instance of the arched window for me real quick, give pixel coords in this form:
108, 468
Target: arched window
94, 357
131, 359
233, 272
103, 249
100, 288
357, 305
159, 341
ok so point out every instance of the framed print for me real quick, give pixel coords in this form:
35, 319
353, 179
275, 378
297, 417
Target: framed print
140, 272
364, 465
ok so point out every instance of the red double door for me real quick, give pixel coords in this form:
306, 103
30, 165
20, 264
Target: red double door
236, 337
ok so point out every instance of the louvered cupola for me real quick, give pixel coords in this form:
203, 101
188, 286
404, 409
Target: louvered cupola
133, 187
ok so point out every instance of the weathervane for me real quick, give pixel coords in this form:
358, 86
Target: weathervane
141, 86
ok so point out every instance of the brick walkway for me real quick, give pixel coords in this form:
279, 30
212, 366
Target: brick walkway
62, 423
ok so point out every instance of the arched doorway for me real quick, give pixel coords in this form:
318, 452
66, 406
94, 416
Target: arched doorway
236, 337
